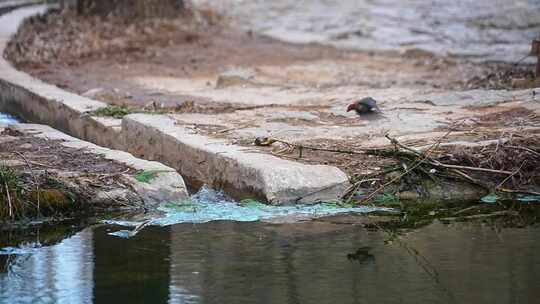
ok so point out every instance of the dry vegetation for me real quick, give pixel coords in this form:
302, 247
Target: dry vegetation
506, 167
64, 37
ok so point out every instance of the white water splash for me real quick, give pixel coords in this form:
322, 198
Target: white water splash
208, 205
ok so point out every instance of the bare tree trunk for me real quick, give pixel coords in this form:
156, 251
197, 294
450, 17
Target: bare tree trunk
131, 8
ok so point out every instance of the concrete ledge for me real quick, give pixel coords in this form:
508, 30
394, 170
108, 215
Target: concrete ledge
168, 186
202, 160
240, 172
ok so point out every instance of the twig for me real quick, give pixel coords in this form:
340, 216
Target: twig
470, 168
42, 165
354, 187
425, 156
439, 164
398, 144
361, 150
519, 191
9, 200
511, 175
525, 149
470, 179
140, 227
247, 125
467, 209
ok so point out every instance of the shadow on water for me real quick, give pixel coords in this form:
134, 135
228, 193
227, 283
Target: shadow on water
255, 262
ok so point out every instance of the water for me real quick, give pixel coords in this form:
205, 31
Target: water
481, 29
255, 262
213, 250
209, 205
7, 119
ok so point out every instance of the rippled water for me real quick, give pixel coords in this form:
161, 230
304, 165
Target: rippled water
254, 262
482, 29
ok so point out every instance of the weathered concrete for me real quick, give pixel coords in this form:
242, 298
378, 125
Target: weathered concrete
167, 186
239, 171
200, 159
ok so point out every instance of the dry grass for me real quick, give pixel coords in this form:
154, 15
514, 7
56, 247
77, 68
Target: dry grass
520, 154
11, 206
68, 38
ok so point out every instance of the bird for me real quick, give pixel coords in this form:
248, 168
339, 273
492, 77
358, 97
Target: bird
366, 105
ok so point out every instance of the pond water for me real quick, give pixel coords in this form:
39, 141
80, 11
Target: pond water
255, 262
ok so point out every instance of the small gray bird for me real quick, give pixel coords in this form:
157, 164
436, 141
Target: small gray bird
364, 106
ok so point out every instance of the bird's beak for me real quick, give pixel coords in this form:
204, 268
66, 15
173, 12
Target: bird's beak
350, 107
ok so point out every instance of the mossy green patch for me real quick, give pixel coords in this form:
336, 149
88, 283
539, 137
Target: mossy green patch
53, 199
146, 176
114, 111
386, 199
251, 203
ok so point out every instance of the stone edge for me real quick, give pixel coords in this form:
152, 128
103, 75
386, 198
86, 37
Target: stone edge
167, 186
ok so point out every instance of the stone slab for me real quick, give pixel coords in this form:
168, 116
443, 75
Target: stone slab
241, 172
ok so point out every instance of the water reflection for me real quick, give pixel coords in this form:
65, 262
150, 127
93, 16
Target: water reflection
314, 262
58, 274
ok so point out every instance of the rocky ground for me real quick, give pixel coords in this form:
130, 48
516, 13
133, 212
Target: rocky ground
226, 83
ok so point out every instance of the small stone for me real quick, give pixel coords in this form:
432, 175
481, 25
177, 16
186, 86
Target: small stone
26, 146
